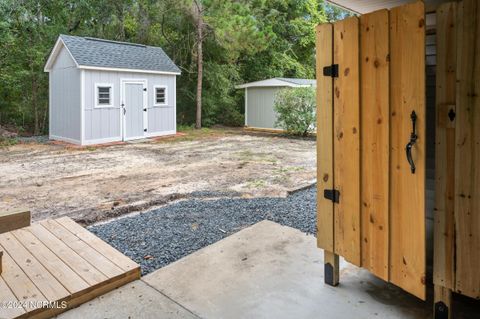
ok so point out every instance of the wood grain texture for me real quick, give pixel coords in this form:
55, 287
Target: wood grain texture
50, 287
21, 286
375, 130
6, 295
79, 265
64, 274
324, 57
11, 220
467, 155
444, 212
99, 245
346, 146
40, 268
442, 294
100, 262
407, 190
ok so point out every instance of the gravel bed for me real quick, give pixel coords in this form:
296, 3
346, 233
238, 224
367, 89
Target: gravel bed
159, 237
40, 139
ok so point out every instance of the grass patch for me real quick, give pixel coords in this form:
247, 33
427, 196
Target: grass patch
289, 169
8, 141
185, 128
190, 133
259, 183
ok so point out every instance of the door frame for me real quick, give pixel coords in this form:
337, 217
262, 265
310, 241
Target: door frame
123, 124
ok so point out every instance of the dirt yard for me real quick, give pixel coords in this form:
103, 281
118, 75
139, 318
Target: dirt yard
95, 183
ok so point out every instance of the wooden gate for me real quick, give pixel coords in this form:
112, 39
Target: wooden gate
371, 145
457, 174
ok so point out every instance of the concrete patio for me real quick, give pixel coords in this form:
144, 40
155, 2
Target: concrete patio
264, 271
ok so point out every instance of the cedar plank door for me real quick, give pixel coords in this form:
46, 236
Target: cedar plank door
457, 180
371, 203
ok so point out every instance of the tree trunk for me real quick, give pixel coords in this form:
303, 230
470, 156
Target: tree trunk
121, 17
36, 130
34, 88
144, 21
199, 20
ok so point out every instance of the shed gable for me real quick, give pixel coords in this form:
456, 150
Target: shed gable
63, 60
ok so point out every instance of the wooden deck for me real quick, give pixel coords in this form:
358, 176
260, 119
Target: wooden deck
55, 265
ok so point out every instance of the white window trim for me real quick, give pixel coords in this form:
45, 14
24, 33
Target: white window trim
103, 106
155, 87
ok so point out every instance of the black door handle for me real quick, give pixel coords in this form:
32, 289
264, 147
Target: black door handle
413, 140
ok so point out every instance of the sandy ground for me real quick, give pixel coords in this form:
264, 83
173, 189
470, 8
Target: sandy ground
92, 184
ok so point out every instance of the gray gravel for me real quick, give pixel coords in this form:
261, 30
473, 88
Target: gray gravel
40, 139
159, 237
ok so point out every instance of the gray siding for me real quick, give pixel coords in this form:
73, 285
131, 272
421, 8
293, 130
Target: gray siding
65, 99
260, 112
104, 123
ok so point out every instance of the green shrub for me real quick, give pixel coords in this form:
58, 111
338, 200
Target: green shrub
296, 109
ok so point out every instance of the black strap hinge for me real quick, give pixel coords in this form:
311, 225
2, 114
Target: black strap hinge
331, 70
332, 194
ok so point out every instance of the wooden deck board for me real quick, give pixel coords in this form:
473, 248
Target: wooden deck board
7, 296
69, 278
102, 247
22, 287
83, 268
41, 277
99, 261
58, 262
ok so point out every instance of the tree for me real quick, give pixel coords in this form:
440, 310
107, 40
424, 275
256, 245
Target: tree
216, 43
197, 13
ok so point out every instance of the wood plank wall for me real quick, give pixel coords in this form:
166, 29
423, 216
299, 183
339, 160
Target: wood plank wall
346, 139
324, 56
379, 222
407, 190
457, 204
375, 132
467, 153
443, 273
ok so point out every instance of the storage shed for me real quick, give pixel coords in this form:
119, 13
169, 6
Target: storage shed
260, 98
105, 91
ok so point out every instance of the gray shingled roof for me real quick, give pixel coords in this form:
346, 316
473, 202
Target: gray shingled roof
299, 81
121, 55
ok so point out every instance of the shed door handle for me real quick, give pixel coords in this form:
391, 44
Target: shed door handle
124, 111
413, 140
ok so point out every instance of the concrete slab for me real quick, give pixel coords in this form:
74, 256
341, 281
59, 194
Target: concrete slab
273, 271
135, 300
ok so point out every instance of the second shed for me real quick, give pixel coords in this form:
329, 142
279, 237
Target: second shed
260, 99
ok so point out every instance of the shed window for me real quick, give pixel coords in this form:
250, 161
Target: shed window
104, 94
160, 97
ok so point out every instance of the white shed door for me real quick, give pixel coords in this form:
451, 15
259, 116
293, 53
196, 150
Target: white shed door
133, 111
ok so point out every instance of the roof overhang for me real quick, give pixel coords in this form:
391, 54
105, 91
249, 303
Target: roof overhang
97, 68
269, 83
366, 6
